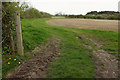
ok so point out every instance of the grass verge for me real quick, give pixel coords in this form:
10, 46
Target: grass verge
74, 60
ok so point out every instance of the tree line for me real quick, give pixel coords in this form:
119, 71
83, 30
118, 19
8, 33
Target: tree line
34, 13
110, 15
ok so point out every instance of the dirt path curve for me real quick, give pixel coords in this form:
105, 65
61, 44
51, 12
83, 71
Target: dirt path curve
109, 25
37, 66
106, 64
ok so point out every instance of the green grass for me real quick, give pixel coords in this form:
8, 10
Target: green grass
74, 61
33, 34
8, 67
109, 39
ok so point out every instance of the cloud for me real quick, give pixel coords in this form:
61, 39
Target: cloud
74, 6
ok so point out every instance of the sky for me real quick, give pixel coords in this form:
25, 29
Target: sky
74, 6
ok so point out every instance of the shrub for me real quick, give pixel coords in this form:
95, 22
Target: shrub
34, 13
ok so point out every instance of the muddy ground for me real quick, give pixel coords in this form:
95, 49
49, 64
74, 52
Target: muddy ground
106, 64
109, 25
37, 66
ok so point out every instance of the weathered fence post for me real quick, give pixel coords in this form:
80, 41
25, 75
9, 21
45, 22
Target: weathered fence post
19, 33
12, 41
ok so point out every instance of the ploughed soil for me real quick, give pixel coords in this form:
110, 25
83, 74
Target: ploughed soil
109, 25
37, 66
106, 64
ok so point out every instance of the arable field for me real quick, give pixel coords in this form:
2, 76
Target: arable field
109, 25
66, 52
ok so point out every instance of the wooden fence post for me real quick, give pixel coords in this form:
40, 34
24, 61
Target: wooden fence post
12, 41
19, 33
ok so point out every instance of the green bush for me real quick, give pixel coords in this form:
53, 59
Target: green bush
34, 13
111, 15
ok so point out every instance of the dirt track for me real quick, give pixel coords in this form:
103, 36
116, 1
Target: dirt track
106, 64
37, 66
110, 25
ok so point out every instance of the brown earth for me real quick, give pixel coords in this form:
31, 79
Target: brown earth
106, 64
109, 25
37, 66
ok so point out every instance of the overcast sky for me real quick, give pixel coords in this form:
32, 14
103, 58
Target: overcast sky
74, 6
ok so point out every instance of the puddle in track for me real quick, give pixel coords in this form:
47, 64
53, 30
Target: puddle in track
37, 66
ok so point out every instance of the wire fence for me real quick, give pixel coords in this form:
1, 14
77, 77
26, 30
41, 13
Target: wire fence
0, 40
